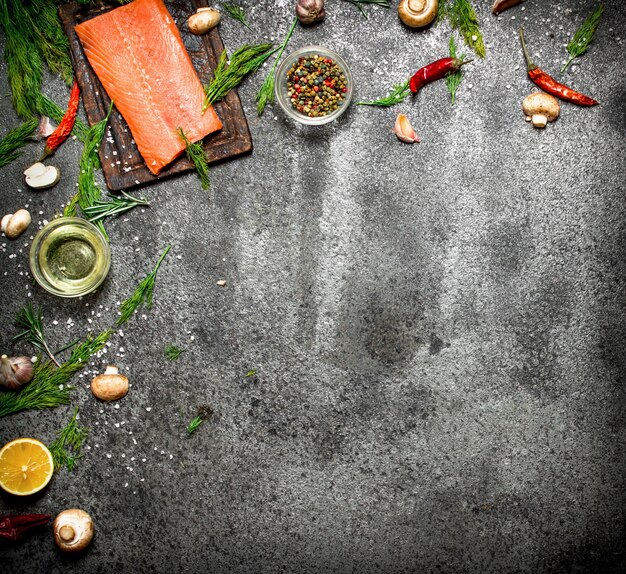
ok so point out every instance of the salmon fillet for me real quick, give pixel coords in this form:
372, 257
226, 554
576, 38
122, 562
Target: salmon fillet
137, 53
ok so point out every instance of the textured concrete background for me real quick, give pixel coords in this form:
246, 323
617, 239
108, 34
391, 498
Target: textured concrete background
439, 329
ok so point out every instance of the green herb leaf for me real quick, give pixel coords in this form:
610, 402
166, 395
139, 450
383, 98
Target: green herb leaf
250, 373
226, 77
463, 17
453, 79
31, 320
237, 13
117, 205
15, 140
398, 94
143, 293
583, 36
66, 448
172, 352
360, 3
194, 425
48, 387
195, 154
266, 93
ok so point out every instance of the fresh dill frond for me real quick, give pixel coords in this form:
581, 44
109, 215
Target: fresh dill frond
194, 425
66, 448
142, 294
398, 94
48, 387
31, 320
266, 92
453, 79
463, 17
250, 373
228, 76
583, 36
172, 352
236, 13
47, 107
116, 205
89, 193
15, 140
359, 4
195, 154
441, 11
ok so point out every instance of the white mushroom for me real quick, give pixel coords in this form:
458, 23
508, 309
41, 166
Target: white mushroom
110, 385
40, 176
541, 108
13, 225
73, 530
203, 20
417, 13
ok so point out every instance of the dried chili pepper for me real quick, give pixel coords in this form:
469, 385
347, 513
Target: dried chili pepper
15, 526
548, 84
435, 71
64, 129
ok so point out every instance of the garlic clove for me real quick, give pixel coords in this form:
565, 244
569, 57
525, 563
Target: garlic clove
404, 130
15, 371
45, 179
17, 224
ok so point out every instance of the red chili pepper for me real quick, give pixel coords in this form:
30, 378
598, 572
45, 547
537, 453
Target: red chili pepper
435, 71
64, 129
548, 84
15, 526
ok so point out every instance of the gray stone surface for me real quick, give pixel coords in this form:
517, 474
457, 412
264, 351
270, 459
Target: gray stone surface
438, 329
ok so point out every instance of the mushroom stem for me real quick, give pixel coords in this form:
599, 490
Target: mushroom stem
66, 533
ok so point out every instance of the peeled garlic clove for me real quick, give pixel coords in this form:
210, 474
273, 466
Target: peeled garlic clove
15, 371
203, 20
404, 130
17, 224
73, 530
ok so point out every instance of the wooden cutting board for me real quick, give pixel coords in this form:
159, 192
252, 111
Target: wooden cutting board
122, 163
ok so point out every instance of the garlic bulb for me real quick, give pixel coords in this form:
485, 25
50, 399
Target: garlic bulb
310, 11
15, 371
404, 130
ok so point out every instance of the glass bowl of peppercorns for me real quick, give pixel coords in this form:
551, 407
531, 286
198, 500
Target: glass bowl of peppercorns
313, 85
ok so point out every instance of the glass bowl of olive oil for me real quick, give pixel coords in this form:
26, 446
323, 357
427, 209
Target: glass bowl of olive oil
70, 257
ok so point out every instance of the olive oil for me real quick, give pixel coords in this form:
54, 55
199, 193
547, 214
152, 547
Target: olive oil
70, 257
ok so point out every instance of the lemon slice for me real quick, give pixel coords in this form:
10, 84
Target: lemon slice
26, 466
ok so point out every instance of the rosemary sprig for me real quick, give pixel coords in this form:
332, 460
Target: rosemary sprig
226, 77
48, 387
172, 352
463, 17
15, 140
236, 13
583, 36
398, 94
89, 193
266, 92
143, 293
66, 448
31, 320
359, 4
204, 412
453, 79
195, 154
117, 205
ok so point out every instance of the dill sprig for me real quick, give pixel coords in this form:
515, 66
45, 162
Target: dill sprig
463, 17
15, 140
250, 373
583, 36
172, 352
236, 13
398, 94
195, 154
31, 320
453, 79
359, 4
266, 92
117, 205
228, 76
48, 387
89, 193
66, 448
204, 412
142, 294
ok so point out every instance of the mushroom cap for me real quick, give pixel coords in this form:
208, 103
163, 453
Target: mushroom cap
73, 530
40, 176
543, 104
203, 20
110, 385
17, 224
417, 13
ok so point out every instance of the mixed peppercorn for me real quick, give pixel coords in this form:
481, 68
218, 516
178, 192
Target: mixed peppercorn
316, 86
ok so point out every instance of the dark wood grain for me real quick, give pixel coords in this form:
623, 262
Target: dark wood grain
122, 163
